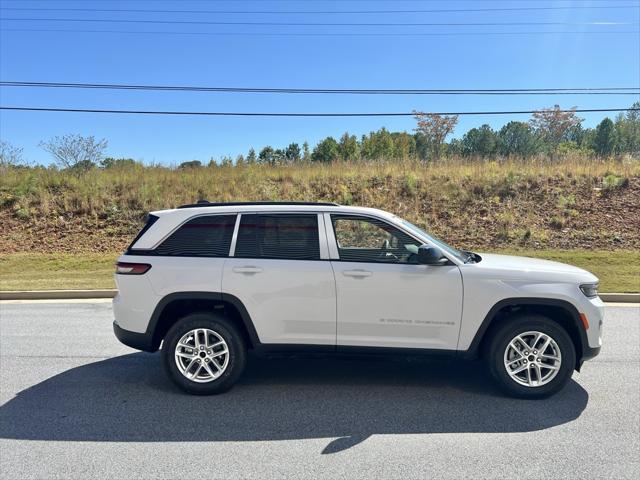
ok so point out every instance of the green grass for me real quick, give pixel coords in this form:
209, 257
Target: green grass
51, 271
619, 271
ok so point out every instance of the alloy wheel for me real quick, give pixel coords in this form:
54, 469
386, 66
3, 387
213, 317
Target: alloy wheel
202, 355
532, 359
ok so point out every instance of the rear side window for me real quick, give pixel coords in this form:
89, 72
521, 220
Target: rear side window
285, 236
207, 236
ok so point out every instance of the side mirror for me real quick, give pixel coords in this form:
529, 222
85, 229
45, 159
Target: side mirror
430, 256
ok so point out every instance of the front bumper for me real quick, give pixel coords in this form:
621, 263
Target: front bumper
587, 354
139, 341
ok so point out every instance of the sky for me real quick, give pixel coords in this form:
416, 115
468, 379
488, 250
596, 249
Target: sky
28, 52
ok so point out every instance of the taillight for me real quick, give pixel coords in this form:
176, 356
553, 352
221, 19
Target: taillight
124, 268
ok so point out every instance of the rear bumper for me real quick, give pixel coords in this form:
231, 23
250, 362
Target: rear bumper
139, 341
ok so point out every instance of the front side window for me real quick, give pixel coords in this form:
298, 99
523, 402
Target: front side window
206, 236
365, 239
278, 236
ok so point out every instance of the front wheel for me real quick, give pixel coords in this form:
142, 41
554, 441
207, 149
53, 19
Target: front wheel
531, 357
204, 354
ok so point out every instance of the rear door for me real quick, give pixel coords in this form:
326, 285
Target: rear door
191, 258
280, 270
384, 298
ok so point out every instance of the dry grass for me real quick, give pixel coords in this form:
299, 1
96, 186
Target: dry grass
570, 203
140, 188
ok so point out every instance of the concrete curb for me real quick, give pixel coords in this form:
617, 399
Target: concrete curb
83, 294
620, 297
56, 294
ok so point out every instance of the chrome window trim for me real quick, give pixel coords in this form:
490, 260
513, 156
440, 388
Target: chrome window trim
322, 238
331, 237
234, 237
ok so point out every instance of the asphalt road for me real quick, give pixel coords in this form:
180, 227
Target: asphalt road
74, 403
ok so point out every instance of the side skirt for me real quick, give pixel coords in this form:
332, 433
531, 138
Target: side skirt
276, 349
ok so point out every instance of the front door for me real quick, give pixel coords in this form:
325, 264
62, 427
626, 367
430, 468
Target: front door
386, 299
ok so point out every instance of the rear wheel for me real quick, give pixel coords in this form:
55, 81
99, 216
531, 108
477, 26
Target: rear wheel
204, 354
531, 357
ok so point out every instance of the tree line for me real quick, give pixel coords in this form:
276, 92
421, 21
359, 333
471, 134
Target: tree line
550, 132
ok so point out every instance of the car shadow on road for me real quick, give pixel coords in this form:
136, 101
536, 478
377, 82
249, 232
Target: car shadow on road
129, 399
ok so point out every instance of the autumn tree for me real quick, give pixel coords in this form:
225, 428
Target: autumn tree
435, 129
553, 124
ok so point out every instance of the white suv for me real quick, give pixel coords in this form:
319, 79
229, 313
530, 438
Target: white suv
211, 281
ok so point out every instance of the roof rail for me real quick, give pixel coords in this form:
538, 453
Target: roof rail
205, 203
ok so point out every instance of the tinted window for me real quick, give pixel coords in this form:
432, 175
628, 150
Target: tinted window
208, 236
284, 236
364, 239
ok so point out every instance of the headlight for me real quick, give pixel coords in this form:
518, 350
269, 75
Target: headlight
589, 289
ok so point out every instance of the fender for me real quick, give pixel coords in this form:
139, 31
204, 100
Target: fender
568, 307
150, 333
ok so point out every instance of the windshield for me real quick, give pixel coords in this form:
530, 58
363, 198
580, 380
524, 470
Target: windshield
460, 255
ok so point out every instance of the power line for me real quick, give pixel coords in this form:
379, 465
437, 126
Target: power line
315, 24
328, 12
350, 91
297, 114
291, 1
325, 34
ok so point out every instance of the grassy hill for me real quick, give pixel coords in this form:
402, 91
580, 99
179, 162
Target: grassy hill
569, 204
580, 205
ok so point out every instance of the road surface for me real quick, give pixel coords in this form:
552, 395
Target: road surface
74, 403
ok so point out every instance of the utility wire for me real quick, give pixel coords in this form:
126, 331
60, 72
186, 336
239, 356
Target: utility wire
292, 1
325, 34
327, 12
313, 24
298, 114
349, 91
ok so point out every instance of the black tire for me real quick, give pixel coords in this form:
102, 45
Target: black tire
500, 338
223, 328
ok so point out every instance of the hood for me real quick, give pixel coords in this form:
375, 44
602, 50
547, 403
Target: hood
529, 268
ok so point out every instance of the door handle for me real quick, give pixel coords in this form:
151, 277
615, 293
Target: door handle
357, 273
247, 269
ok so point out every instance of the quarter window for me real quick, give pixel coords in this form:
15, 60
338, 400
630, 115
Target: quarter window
285, 236
207, 236
365, 239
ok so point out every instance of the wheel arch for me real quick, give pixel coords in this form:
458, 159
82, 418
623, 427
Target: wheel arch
561, 311
176, 305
